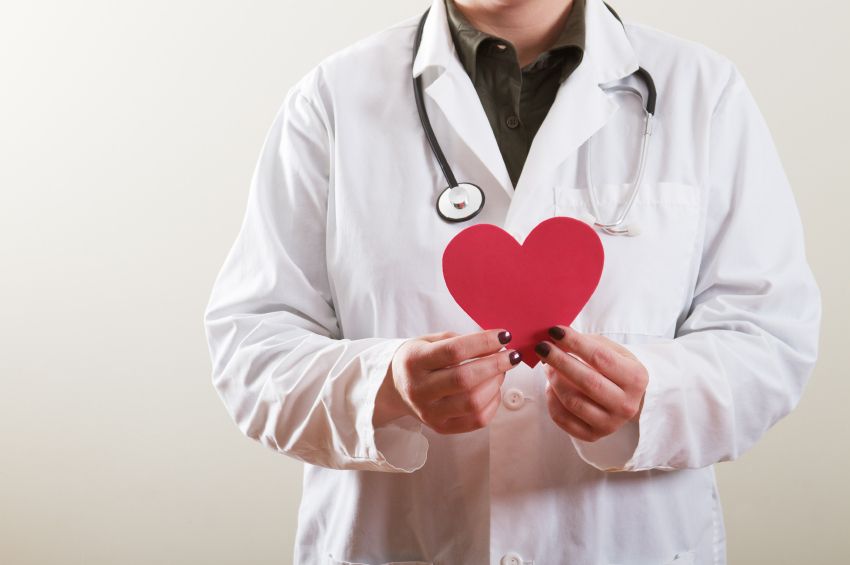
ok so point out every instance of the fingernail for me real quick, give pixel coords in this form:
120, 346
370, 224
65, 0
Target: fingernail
504, 337
542, 349
515, 357
557, 332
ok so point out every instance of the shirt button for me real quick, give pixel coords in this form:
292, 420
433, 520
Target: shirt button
511, 559
513, 399
512, 121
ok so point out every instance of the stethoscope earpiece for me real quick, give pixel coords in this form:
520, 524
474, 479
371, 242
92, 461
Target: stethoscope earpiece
632, 229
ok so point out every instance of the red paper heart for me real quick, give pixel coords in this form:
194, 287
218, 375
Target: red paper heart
524, 288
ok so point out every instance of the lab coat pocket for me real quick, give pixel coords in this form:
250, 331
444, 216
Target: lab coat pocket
646, 279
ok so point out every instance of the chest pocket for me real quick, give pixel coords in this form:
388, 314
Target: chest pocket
645, 280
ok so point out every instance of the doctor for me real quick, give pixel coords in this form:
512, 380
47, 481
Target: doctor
334, 339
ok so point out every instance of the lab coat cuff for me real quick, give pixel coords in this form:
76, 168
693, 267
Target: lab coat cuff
397, 446
628, 449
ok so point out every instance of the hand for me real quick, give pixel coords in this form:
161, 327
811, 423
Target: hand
595, 384
450, 382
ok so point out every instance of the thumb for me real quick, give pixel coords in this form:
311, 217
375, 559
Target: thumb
439, 336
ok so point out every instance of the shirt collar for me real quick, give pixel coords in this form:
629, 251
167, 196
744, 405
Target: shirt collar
469, 40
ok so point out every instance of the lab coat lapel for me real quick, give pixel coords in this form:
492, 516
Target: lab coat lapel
579, 110
446, 83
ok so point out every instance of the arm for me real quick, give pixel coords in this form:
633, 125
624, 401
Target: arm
749, 343
286, 376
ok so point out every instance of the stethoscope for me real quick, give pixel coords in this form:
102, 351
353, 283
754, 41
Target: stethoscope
460, 202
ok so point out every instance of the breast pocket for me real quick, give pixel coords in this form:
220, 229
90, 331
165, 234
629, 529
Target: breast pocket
646, 278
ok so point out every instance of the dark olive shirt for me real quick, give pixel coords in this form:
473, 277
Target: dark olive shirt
516, 99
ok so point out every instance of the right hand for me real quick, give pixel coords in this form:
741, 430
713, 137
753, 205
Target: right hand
451, 382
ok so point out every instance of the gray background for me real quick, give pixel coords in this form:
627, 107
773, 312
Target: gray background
128, 135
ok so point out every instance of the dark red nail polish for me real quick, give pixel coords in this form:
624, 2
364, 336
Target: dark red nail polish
557, 332
504, 337
542, 349
515, 357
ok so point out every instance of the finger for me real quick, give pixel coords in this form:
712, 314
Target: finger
585, 378
596, 353
466, 402
628, 408
437, 336
467, 376
454, 350
581, 406
636, 378
566, 421
552, 373
618, 347
472, 422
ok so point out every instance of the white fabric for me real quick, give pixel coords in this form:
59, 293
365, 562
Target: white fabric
338, 261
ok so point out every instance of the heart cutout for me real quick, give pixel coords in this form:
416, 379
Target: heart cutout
524, 288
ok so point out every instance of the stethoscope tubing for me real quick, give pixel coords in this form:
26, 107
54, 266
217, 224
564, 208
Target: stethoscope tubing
612, 228
423, 113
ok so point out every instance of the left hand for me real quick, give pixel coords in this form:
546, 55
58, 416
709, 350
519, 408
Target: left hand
595, 384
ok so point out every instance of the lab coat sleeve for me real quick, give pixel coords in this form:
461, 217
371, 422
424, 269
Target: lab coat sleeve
742, 356
285, 374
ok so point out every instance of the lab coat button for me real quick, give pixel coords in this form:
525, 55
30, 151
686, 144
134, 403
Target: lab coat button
513, 398
511, 559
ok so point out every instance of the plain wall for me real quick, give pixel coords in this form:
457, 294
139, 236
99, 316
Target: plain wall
128, 134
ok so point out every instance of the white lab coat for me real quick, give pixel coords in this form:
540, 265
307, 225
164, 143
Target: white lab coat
338, 261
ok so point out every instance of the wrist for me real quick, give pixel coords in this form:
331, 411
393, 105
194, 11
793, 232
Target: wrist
389, 404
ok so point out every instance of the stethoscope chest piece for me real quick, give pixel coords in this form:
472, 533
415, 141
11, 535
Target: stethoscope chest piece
460, 203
